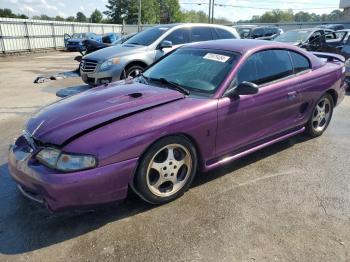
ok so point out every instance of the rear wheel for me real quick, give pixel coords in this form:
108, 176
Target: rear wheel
321, 116
166, 170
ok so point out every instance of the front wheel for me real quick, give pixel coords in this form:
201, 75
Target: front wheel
166, 170
133, 71
321, 116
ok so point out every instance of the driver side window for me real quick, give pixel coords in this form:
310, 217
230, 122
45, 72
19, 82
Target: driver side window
315, 37
179, 36
265, 66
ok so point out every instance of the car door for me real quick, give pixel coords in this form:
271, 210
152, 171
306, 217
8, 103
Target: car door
177, 37
274, 109
66, 37
257, 33
345, 50
316, 41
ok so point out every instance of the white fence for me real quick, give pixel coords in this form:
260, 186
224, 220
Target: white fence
18, 35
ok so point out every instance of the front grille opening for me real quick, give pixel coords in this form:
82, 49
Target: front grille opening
88, 66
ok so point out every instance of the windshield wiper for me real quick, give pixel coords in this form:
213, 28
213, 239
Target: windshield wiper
144, 79
133, 43
172, 85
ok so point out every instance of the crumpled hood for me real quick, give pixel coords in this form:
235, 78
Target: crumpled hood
113, 51
67, 118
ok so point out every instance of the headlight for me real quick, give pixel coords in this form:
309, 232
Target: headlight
66, 162
108, 63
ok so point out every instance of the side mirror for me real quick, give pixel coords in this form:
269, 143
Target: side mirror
165, 44
244, 88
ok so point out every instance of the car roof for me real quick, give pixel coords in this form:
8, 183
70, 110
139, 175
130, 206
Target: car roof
256, 26
241, 46
189, 25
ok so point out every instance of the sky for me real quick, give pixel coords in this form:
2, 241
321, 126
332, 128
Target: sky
234, 10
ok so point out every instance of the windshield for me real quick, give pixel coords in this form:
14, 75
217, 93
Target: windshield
197, 70
79, 36
293, 36
148, 36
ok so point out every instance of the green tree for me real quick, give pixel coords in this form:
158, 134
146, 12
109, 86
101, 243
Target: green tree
70, 19
9, 14
152, 11
59, 18
302, 17
42, 17
96, 16
81, 17
117, 10
335, 15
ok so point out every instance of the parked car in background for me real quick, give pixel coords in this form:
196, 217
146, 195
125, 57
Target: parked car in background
92, 46
347, 73
311, 39
200, 107
334, 27
75, 42
131, 58
258, 32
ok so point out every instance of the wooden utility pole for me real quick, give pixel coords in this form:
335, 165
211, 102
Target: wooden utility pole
209, 20
212, 11
139, 17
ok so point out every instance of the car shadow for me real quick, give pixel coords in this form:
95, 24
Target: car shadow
27, 226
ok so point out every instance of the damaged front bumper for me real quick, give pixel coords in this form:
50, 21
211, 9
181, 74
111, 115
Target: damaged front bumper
62, 191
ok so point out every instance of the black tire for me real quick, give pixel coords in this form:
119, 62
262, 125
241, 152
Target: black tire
311, 130
142, 185
129, 71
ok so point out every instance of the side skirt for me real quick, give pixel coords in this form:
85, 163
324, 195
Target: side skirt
223, 160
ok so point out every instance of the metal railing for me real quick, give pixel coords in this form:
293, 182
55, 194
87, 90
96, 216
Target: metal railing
18, 35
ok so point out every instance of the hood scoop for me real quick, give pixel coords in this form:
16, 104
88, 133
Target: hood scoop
124, 98
135, 95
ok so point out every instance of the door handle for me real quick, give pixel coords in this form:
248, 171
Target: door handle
292, 95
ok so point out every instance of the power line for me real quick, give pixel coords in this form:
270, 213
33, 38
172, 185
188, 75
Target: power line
265, 2
262, 8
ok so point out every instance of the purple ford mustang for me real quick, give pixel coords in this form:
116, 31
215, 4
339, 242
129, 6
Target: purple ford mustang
197, 108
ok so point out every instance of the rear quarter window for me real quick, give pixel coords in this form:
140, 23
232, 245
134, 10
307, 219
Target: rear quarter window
300, 62
224, 34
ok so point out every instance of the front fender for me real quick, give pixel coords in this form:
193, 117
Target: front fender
129, 137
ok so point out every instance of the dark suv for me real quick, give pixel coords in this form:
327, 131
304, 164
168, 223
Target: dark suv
258, 32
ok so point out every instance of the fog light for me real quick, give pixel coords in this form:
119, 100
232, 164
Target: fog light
106, 80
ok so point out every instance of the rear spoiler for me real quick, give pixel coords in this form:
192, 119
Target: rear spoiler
330, 57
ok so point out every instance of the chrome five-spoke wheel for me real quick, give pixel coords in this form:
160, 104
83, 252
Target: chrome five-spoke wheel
321, 114
166, 170
169, 170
